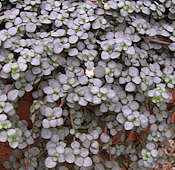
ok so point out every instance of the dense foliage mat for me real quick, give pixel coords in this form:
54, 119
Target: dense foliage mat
102, 75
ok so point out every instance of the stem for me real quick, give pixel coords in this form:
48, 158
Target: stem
27, 162
118, 141
147, 104
9, 88
41, 153
73, 45
100, 144
115, 136
72, 124
173, 117
64, 119
156, 41
20, 1
146, 129
126, 164
53, 74
104, 128
110, 156
131, 136
62, 102
71, 121
173, 96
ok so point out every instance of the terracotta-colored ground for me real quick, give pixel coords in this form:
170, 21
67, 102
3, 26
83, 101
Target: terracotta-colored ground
23, 112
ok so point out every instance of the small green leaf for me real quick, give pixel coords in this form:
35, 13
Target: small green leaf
32, 109
33, 117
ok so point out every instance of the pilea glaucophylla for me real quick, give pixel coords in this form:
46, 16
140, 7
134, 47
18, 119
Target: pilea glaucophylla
101, 73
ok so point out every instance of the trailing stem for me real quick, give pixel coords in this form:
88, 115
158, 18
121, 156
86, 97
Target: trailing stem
156, 41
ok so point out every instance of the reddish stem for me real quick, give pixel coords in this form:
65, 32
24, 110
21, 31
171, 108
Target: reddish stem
148, 108
173, 117
9, 88
64, 119
118, 141
104, 128
110, 156
146, 129
20, 1
115, 136
61, 104
156, 41
53, 74
72, 124
131, 137
71, 121
126, 164
173, 96
73, 45
100, 143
